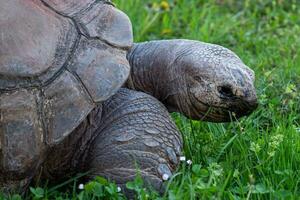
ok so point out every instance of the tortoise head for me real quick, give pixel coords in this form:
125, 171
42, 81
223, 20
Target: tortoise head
214, 83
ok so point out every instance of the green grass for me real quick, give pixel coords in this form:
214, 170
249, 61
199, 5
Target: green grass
256, 158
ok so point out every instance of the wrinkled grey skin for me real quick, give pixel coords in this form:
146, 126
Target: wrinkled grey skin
201, 80
132, 129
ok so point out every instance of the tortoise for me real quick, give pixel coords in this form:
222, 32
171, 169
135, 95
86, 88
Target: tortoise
76, 94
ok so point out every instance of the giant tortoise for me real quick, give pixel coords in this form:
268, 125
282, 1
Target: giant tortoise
77, 95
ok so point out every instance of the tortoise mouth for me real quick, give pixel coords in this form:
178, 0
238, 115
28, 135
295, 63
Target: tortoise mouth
198, 110
205, 112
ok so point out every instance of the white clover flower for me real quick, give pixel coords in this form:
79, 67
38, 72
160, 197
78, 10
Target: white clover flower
119, 189
165, 177
81, 186
182, 158
189, 162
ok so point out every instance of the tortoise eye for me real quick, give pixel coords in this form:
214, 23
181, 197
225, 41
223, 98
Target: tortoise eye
226, 91
198, 79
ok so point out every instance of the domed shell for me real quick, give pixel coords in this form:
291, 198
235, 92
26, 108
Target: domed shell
58, 60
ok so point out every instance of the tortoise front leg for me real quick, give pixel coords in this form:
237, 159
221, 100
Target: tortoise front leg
137, 133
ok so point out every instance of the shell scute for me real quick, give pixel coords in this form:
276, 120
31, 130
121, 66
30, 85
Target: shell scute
21, 132
34, 44
66, 105
107, 23
101, 68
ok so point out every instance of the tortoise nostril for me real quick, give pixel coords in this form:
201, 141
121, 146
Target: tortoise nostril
226, 91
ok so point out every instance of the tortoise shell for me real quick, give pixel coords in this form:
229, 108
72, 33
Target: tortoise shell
58, 60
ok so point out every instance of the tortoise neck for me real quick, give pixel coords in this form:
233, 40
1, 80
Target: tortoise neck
151, 71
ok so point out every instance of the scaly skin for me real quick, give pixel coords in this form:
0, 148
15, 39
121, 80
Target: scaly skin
130, 132
201, 80
136, 133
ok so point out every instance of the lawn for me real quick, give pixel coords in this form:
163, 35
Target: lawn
255, 158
